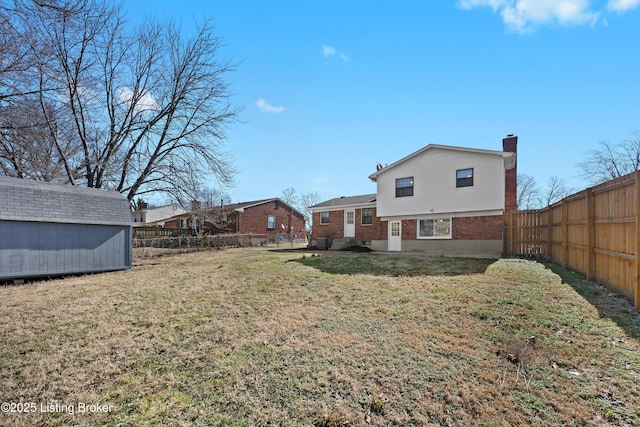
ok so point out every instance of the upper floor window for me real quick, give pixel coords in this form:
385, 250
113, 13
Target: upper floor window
404, 187
464, 177
271, 222
367, 216
324, 217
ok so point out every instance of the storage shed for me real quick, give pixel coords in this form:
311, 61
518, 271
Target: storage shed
49, 229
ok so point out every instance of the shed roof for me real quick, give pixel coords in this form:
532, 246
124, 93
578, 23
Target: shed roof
39, 201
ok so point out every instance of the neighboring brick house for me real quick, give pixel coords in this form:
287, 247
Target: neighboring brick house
439, 200
268, 216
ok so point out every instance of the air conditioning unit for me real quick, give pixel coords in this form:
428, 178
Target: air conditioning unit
323, 242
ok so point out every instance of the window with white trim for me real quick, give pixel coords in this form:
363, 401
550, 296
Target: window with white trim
271, 222
367, 216
324, 217
464, 177
438, 228
404, 187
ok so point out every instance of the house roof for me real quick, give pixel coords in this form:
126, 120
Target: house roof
365, 199
243, 205
163, 213
509, 157
39, 201
240, 207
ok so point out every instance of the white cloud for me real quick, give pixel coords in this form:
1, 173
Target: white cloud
328, 51
146, 102
265, 107
470, 4
523, 16
623, 5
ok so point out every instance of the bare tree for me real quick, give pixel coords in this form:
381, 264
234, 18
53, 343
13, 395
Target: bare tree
528, 195
26, 147
140, 112
301, 201
289, 196
207, 207
610, 161
307, 200
212, 197
556, 190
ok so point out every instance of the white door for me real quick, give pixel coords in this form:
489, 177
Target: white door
350, 223
395, 235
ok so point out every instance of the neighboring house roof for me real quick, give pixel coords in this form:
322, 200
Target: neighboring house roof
508, 156
240, 207
39, 201
163, 213
365, 199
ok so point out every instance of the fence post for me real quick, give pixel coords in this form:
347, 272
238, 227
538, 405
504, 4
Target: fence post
550, 233
591, 236
506, 236
512, 235
636, 292
564, 247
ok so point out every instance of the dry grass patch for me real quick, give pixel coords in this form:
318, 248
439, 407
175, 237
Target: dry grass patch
245, 338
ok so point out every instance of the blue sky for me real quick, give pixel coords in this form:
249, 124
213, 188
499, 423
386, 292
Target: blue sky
330, 88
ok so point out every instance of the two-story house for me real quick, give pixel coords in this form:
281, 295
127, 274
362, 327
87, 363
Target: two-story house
439, 200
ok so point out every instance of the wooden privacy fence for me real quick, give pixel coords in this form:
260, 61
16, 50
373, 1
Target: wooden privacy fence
594, 232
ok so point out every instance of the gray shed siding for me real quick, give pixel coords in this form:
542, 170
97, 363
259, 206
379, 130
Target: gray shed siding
35, 249
49, 230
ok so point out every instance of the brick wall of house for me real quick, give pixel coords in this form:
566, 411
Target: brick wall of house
478, 228
217, 226
467, 228
174, 223
375, 231
409, 229
256, 220
335, 228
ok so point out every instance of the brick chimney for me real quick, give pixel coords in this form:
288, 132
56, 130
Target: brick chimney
510, 144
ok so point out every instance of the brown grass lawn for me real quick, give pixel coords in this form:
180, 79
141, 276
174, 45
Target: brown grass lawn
256, 338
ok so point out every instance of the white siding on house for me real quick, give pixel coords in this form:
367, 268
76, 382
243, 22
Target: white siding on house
434, 174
